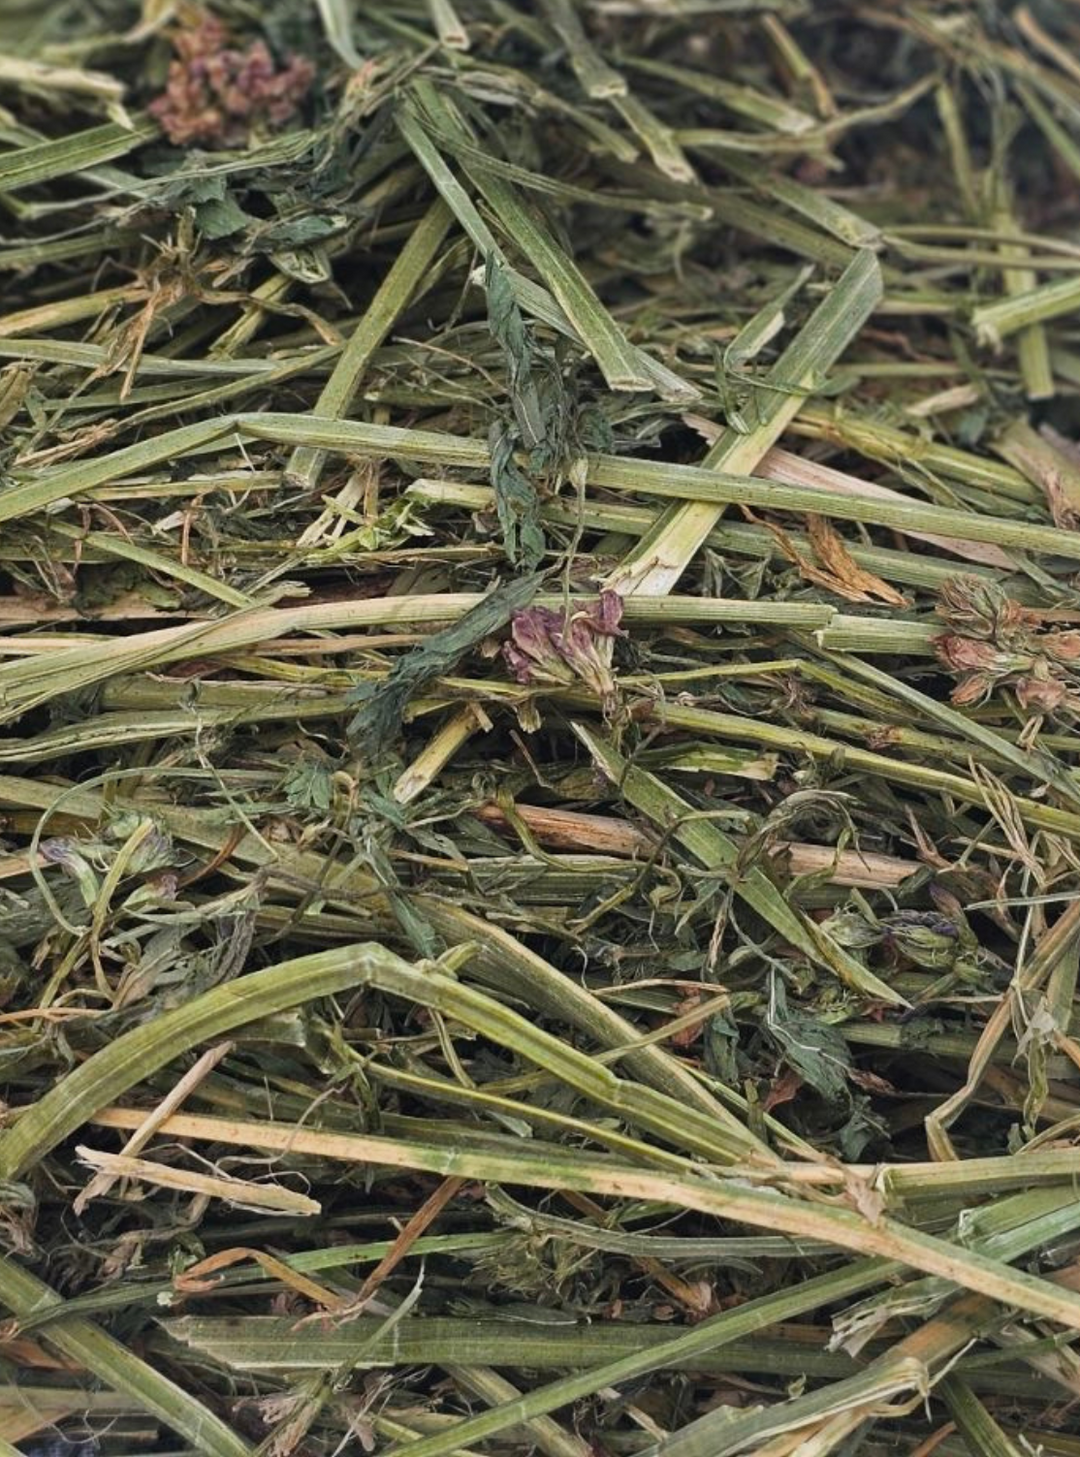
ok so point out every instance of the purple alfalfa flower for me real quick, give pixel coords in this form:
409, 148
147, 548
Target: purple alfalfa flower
71, 856
556, 648
586, 643
533, 651
215, 96
607, 614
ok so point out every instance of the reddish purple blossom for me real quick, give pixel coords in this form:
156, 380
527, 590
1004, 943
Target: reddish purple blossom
215, 95
533, 650
559, 648
996, 642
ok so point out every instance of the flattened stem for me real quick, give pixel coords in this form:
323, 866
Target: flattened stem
141, 1052
657, 562
25, 1296
392, 298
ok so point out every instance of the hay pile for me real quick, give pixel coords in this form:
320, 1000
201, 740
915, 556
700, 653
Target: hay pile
539, 799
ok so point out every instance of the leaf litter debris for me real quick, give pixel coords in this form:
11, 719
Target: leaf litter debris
539, 800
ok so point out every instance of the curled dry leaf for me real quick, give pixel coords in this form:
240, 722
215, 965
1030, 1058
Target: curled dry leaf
836, 570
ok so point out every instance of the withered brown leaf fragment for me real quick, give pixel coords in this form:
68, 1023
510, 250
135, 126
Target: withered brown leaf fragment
1047, 461
847, 578
836, 570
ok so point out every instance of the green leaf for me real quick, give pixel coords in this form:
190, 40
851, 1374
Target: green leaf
816, 1050
221, 217
507, 325
517, 503
384, 704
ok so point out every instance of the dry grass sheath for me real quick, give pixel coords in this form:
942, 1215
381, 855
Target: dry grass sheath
539, 676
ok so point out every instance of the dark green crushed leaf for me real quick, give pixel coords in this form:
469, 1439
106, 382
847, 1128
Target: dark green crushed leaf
383, 704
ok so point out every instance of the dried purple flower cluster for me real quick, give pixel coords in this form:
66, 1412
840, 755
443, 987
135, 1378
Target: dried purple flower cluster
554, 647
215, 95
994, 641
